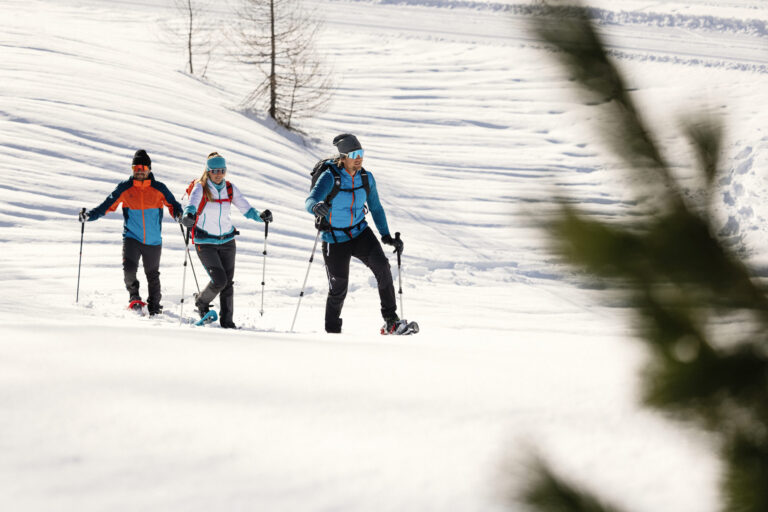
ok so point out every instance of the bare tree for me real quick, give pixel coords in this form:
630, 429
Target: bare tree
193, 28
277, 36
186, 6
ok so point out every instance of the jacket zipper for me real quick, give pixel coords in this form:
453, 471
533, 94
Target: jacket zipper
352, 205
143, 220
220, 207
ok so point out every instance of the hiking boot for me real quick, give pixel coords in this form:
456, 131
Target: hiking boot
155, 309
333, 327
392, 323
202, 309
228, 325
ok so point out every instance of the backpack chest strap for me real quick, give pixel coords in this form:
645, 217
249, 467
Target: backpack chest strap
351, 189
337, 185
205, 199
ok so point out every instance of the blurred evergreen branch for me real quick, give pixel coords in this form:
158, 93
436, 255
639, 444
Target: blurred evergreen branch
551, 493
680, 280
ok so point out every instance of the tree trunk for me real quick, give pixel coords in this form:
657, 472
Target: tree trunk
272, 77
189, 37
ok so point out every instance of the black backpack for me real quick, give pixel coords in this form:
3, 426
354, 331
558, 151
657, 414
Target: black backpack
327, 165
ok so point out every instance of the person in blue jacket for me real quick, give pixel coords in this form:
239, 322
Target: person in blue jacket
143, 198
347, 234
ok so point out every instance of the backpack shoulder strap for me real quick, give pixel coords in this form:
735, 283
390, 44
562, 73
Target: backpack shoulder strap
336, 183
202, 201
229, 191
200, 207
366, 185
189, 188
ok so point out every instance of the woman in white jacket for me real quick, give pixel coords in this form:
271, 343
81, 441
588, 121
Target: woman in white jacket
208, 216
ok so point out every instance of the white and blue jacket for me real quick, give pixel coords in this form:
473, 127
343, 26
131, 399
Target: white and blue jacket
214, 219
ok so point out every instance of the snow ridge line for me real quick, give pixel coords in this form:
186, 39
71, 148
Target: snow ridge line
690, 61
752, 26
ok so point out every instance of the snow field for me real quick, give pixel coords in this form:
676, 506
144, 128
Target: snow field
474, 135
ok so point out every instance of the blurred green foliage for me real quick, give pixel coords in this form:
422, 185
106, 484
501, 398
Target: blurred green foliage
681, 281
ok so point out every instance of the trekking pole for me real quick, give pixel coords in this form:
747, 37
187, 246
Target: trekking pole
399, 278
186, 244
184, 278
264, 267
82, 234
312, 257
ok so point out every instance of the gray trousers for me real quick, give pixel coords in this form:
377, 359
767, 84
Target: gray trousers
219, 262
150, 255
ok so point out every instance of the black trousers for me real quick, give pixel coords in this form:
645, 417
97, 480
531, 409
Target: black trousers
219, 262
150, 255
367, 249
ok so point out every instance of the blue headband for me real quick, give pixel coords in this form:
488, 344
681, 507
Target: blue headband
216, 162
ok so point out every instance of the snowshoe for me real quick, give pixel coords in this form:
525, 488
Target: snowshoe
137, 306
207, 318
399, 327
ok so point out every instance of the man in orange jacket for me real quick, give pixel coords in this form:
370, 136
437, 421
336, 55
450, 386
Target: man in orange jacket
143, 198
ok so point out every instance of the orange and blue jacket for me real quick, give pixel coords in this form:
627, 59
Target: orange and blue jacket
142, 208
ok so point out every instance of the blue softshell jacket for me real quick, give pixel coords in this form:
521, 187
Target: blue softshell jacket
348, 207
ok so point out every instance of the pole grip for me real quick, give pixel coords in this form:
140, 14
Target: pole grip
397, 237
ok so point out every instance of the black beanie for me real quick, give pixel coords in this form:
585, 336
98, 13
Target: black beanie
346, 143
140, 157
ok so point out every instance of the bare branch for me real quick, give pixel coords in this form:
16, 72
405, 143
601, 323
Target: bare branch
277, 37
193, 30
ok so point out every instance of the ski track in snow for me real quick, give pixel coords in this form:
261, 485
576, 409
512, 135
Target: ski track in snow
475, 136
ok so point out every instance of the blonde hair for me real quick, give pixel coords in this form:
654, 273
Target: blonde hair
204, 178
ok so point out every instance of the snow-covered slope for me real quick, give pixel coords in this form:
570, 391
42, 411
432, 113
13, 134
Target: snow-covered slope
473, 133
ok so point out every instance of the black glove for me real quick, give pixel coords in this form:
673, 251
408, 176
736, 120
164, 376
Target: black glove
177, 215
266, 216
83, 215
321, 209
188, 220
397, 243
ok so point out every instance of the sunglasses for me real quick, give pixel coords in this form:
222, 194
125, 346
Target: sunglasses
358, 153
221, 170
140, 168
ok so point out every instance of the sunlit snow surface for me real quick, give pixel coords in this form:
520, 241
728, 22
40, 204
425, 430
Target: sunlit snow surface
473, 132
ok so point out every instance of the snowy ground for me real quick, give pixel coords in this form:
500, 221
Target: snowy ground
473, 132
